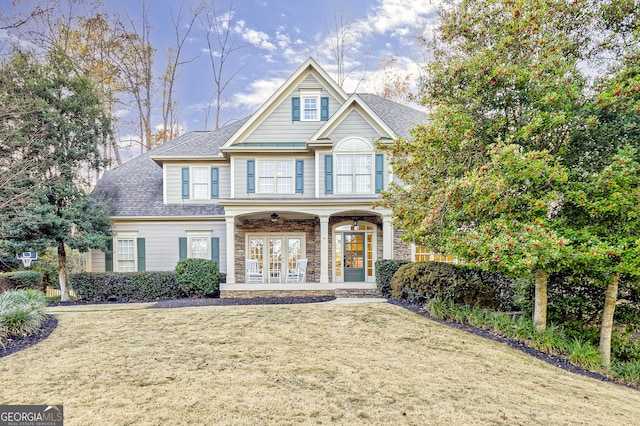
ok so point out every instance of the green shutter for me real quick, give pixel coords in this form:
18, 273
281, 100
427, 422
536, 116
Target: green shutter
182, 241
142, 264
108, 257
328, 174
215, 250
185, 183
251, 176
299, 176
215, 183
324, 109
295, 109
379, 172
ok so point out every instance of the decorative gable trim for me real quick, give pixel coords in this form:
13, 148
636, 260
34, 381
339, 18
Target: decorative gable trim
354, 103
286, 90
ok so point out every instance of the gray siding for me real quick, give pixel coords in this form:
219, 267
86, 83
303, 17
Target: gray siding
278, 127
174, 182
354, 125
240, 177
161, 242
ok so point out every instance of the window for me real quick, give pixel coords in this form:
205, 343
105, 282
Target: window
200, 176
353, 173
310, 108
199, 247
421, 254
125, 255
276, 177
200, 183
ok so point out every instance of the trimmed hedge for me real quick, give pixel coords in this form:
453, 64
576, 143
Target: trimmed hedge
21, 280
384, 272
125, 286
422, 281
197, 277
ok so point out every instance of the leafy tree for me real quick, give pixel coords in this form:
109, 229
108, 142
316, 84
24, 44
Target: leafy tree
503, 72
64, 110
607, 228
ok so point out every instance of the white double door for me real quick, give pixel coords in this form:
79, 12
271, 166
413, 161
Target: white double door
276, 253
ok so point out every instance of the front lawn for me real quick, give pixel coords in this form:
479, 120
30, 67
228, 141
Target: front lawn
295, 364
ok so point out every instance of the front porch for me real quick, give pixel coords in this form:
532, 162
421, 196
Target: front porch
349, 289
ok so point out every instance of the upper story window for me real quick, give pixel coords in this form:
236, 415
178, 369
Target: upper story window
309, 106
200, 183
353, 173
354, 167
275, 176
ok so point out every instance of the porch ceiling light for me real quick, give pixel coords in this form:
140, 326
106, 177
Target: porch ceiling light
355, 222
274, 218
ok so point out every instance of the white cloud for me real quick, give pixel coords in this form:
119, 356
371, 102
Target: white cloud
259, 91
400, 17
258, 39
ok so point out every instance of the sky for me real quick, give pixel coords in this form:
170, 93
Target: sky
276, 37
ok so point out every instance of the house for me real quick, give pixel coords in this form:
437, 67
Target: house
295, 180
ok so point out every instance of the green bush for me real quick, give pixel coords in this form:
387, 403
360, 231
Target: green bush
421, 281
125, 286
22, 312
384, 272
20, 280
197, 277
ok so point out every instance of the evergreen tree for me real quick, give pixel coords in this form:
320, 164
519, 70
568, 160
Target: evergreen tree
57, 130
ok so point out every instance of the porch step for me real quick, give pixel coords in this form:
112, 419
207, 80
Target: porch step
357, 292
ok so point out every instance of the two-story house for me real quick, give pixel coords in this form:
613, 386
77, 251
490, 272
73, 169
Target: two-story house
295, 180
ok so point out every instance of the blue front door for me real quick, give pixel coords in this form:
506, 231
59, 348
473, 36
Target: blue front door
354, 256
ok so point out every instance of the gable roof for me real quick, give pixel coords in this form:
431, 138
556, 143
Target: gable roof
201, 144
135, 188
400, 118
309, 66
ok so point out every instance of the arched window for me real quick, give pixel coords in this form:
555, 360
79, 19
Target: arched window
354, 166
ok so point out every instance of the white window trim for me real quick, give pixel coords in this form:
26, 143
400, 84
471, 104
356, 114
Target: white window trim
206, 235
352, 146
293, 176
192, 183
308, 94
354, 174
120, 236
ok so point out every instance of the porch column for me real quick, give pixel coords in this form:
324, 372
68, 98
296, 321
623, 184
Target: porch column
231, 250
324, 249
387, 237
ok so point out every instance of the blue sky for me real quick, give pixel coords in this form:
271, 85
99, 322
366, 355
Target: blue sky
278, 35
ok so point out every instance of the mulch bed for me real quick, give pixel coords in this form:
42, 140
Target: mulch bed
18, 343
555, 360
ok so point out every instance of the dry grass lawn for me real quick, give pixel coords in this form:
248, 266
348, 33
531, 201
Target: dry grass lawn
295, 364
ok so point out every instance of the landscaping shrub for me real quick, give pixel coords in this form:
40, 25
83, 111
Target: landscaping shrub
22, 312
197, 277
20, 280
125, 286
384, 272
421, 281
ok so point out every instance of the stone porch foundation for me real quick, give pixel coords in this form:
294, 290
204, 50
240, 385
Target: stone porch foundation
299, 290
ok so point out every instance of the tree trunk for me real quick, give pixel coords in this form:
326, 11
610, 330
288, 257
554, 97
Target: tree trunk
540, 308
62, 273
606, 328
